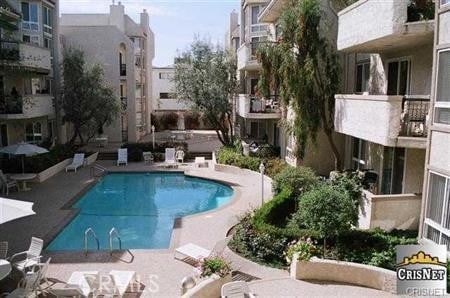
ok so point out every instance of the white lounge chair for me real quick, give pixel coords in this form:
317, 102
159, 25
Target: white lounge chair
32, 255
122, 156
70, 291
170, 157
122, 280
7, 183
148, 157
236, 289
200, 162
191, 253
179, 156
77, 161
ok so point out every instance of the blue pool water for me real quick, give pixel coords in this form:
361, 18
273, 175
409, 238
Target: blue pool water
141, 206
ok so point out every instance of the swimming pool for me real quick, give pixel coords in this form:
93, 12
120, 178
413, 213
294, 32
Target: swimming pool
141, 206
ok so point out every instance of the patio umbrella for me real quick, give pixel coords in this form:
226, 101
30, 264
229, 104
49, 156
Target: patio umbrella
13, 209
23, 149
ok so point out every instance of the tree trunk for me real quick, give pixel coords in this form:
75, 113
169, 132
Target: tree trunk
337, 157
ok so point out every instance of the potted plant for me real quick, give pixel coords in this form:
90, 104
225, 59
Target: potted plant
305, 249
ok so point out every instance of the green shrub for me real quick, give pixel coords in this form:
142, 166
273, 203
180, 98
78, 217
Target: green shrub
296, 179
276, 211
215, 265
275, 166
265, 152
258, 246
169, 120
326, 210
229, 156
373, 247
349, 183
191, 121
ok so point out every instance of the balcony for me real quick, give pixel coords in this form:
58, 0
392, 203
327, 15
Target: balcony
373, 26
252, 108
29, 106
19, 54
272, 11
247, 56
395, 121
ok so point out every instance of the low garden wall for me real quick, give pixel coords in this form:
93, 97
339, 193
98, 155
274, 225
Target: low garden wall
52, 171
344, 272
382, 211
209, 287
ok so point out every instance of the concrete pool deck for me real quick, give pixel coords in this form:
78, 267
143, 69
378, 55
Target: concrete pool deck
159, 272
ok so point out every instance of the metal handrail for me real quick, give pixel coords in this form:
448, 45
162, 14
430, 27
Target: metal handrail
113, 232
86, 233
102, 169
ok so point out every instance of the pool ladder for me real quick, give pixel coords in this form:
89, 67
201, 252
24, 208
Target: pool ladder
90, 231
114, 234
100, 170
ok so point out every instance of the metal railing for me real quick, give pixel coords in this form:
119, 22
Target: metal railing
267, 105
9, 50
11, 104
86, 234
113, 233
100, 170
415, 109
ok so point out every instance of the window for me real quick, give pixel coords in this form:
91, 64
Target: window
165, 76
442, 104
393, 165
255, 13
33, 39
33, 132
398, 77
47, 20
30, 13
38, 85
437, 221
362, 77
166, 95
358, 154
48, 42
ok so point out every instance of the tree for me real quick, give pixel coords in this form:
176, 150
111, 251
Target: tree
326, 209
206, 77
88, 103
303, 66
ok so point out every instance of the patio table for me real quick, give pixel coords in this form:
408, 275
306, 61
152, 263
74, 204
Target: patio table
5, 268
22, 180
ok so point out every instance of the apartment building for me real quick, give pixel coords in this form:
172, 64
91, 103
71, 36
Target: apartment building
232, 36
125, 50
164, 97
257, 118
384, 112
435, 223
28, 71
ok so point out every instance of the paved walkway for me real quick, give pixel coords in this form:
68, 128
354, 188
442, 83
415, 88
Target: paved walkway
160, 274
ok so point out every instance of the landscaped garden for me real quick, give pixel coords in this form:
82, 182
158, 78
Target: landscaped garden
311, 216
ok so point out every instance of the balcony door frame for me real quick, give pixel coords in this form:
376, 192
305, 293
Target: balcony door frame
408, 78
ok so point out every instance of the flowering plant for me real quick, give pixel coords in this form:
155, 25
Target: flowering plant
305, 248
214, 265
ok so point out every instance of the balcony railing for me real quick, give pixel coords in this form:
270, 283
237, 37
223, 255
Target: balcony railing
9, 50
123, 69
414, 116
271, 105
10, 104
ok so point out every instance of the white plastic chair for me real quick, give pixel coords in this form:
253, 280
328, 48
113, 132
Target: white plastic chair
26, 287
32, 255
7, 183
77, 161
122, 156
179, 156
236, 289
170, 157
148, 157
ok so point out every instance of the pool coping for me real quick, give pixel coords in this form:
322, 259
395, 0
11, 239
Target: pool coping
177, 223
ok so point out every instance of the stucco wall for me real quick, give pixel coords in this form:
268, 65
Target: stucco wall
389, 211
16, 129
101, 45
165, 86
440, 150
414, 169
